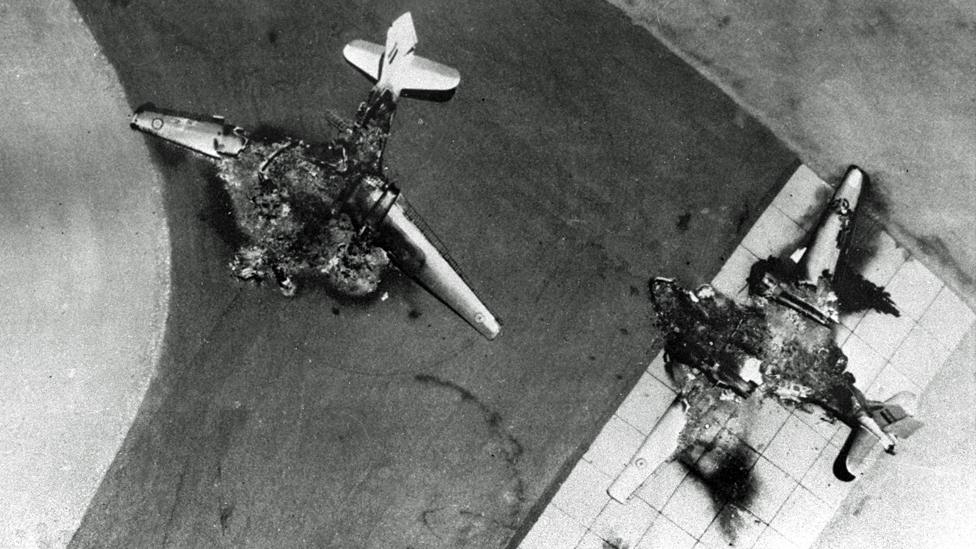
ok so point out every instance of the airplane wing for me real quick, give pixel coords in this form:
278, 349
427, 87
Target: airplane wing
212, 137
832, 236
365, 56
658, 447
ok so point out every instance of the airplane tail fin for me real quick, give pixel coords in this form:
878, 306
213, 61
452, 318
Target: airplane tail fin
395, 67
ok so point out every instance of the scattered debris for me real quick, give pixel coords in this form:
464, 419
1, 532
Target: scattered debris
286, 197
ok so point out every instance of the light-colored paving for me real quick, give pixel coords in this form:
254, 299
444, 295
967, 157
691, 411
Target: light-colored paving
793, 451
85, 270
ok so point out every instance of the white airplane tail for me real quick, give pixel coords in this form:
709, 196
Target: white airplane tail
395, 67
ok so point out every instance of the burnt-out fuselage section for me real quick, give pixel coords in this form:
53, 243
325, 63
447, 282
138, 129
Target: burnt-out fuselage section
310, 209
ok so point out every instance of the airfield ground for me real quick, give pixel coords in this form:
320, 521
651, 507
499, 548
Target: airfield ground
578, 159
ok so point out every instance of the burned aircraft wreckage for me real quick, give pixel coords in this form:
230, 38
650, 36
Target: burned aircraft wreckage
779, 343
331, 209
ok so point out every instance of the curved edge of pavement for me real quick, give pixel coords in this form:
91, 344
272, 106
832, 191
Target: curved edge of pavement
86, 268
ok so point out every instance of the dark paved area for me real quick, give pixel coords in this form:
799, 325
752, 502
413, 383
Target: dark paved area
562, 176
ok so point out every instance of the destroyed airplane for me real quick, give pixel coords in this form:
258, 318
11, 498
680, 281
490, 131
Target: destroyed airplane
780, 344
330, 209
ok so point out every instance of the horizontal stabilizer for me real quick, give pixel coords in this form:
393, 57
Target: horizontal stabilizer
426, 75
395, 67
365, 56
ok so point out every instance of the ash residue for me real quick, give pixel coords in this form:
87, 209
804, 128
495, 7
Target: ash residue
286, 200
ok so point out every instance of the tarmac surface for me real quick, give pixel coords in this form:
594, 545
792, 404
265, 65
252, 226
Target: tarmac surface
577, 159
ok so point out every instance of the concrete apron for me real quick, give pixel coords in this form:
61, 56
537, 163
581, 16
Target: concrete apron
85, 250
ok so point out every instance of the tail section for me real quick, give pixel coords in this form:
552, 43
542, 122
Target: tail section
395, 67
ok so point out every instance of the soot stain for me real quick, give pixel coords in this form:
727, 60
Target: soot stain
742, 218
514, 449
218, 213
509, 447
683, 221
272, 36
728, 479
935, 247
931, 245
822, 196
856, 293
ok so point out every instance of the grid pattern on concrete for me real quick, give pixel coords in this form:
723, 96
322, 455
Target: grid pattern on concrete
792, 452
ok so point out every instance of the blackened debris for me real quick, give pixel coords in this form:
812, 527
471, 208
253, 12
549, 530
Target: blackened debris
286, 198
795, 358
853, 292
